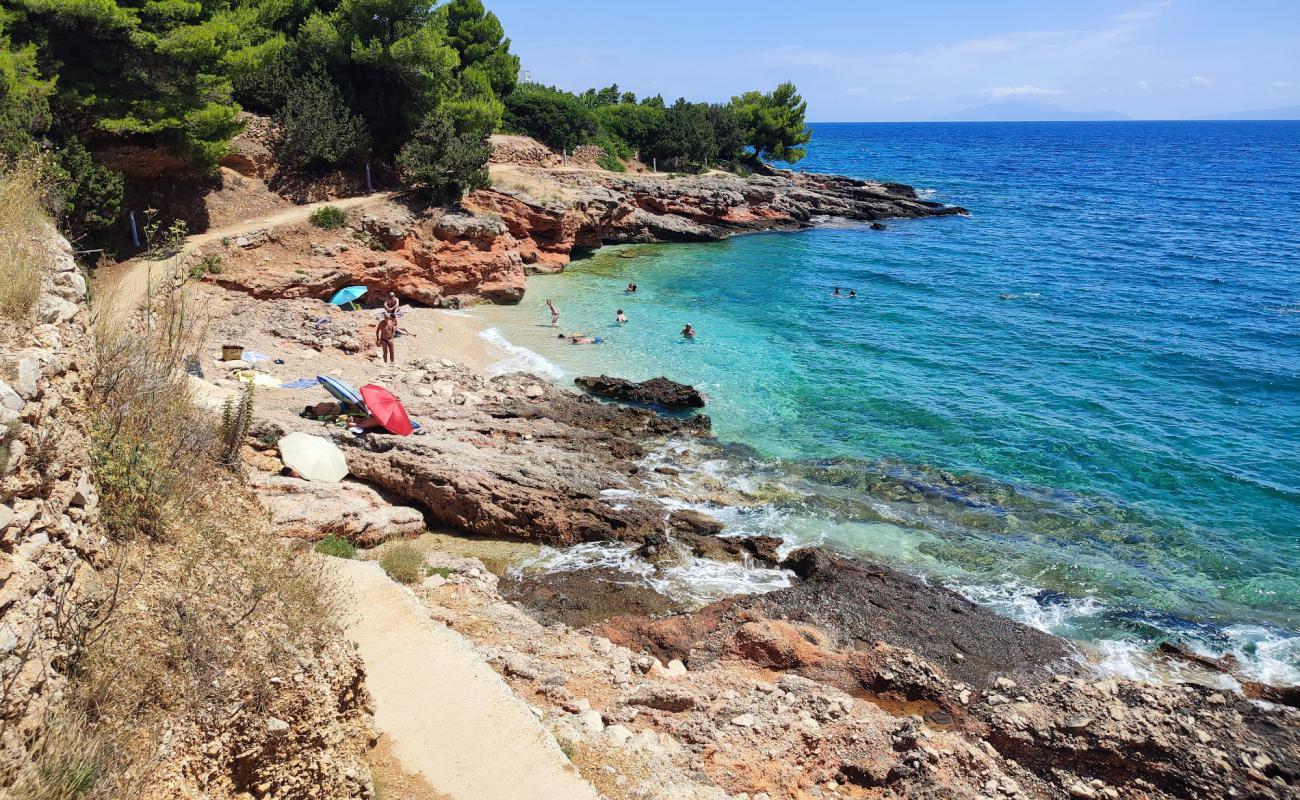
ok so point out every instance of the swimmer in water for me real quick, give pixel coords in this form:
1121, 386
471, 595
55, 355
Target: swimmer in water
631, 288
836, 293
688, 331
853, 293
621, 318
555, 314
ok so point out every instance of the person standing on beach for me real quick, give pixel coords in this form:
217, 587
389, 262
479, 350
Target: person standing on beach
621, 318
555, 314
384, 333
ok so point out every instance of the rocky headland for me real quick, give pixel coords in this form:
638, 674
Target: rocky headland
534, 218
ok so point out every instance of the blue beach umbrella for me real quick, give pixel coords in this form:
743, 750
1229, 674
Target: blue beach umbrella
343, 393
347, 294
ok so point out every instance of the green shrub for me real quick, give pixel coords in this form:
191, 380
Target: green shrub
443, 163
317, 128
336, 546
328, 217
403, 563
442, 571
550, 115
610, 162
208, 265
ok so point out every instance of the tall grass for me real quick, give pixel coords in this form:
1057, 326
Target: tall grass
24, 216
149, 441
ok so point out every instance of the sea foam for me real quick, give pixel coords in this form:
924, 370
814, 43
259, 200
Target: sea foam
518, 359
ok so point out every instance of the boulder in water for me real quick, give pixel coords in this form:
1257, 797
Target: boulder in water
660, 391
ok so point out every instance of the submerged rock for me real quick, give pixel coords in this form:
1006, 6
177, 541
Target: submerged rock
654, 392
582, 597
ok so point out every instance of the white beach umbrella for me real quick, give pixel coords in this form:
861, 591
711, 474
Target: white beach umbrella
313, 458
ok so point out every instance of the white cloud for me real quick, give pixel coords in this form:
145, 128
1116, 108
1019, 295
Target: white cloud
1143, 86
1285, 84
1199, 81
1002, 92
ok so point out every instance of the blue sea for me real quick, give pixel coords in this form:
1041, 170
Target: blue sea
1080, 405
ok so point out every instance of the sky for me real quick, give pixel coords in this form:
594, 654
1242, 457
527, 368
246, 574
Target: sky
925, 59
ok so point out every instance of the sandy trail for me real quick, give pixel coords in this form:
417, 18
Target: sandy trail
129, 283
449, 718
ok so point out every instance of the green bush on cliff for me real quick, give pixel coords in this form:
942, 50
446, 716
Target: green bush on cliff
317, 127
443, 163
550, 115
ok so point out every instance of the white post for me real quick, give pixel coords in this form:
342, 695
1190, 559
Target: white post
135, 233
370, 187
654, 164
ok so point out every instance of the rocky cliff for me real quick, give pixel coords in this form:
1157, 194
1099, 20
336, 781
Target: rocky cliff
145, 665
533, 219
50, 545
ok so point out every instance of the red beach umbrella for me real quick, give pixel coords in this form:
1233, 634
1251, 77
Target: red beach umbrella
387, 409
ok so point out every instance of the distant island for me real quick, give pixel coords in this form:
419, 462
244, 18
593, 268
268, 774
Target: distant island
1283, 113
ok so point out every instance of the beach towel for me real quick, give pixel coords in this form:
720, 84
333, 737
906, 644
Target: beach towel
253, 357
301, 383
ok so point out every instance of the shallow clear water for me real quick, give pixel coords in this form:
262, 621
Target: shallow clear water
1112, 453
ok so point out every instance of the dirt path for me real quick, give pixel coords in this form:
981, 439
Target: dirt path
448, 717
131, 280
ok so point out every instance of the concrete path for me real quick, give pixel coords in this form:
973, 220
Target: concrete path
448, 716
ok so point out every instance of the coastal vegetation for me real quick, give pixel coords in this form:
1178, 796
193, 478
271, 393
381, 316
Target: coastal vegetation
752, 127
91, 88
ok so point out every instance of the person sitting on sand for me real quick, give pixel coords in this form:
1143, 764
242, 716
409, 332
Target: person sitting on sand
621, 318
384, 333
391, 305
688, 331
555, 314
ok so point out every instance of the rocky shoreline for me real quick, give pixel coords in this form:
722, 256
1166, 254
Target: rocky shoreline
854, 680
535, 219
856, 676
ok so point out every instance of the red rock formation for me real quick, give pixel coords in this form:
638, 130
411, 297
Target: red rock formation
533, 221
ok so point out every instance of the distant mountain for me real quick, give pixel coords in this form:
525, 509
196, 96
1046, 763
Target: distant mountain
1286, 112
1028, 111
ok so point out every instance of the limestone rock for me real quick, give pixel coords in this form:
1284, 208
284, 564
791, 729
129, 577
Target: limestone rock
9, 399
656, 391
53, 310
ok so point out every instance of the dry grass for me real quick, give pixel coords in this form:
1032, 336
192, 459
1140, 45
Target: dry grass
24, 213
66, 764
149, 440
403, 562
208, 613
511, 180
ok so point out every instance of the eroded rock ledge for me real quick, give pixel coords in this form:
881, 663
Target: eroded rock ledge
533, 219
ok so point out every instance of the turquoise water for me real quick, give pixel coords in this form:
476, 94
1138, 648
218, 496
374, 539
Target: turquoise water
1111, 452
